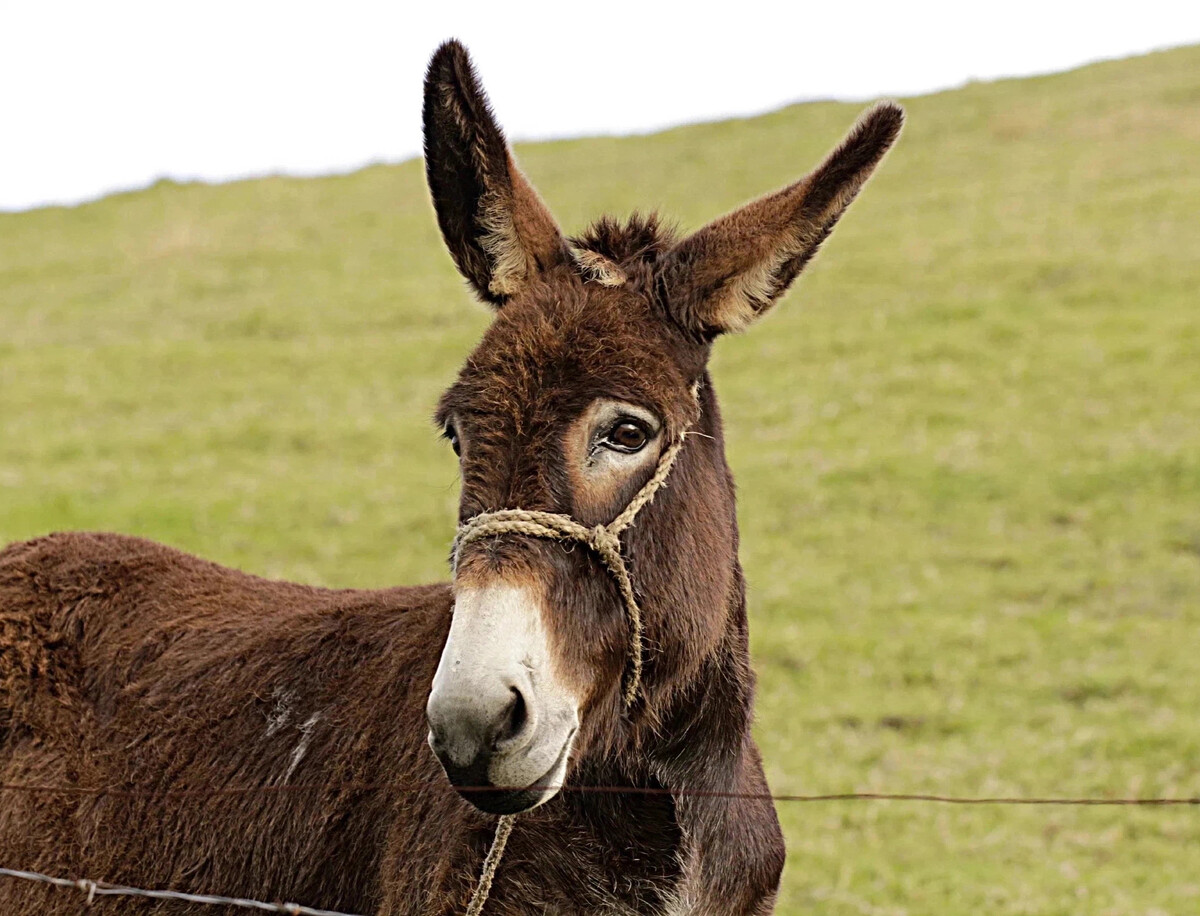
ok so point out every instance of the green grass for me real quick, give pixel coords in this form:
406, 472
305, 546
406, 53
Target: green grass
967, 445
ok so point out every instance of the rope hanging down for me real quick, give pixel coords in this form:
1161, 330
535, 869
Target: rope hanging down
490, 864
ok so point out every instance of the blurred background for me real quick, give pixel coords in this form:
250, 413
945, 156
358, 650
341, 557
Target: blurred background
967, 444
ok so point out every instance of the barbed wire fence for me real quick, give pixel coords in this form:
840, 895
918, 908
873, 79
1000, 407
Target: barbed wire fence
95, 888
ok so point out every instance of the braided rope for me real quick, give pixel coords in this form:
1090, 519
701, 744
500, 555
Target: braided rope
603, 540
503, 828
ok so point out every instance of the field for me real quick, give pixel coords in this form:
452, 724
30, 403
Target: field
967, 447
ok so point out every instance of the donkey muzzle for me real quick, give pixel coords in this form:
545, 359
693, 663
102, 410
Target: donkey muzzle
500, 722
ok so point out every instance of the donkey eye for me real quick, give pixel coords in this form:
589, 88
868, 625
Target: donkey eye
626, 436
452, 435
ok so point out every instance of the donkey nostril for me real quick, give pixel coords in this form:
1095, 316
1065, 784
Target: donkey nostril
515, 717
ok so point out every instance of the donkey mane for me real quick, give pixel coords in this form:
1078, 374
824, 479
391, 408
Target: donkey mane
641, 239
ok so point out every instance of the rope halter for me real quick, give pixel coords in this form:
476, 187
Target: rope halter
603, 540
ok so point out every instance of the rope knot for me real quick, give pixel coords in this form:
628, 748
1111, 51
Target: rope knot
87, 884
605, 541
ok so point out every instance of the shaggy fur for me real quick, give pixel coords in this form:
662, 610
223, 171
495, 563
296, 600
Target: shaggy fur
265, 739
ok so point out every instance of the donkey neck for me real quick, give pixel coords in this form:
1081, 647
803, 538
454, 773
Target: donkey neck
703, 733
701, 756
696, 727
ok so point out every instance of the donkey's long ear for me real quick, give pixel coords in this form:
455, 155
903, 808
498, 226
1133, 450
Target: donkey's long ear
498, 231
731, 271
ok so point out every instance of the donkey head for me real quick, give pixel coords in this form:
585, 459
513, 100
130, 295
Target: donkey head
595, 363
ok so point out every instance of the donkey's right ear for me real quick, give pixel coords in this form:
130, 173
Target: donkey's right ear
499, 232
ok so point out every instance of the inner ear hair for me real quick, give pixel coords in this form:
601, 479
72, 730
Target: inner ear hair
730, 272
497, 229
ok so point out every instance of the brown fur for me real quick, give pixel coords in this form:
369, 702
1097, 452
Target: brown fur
126, 665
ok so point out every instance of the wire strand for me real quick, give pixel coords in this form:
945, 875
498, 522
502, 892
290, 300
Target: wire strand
216, 791
103, 889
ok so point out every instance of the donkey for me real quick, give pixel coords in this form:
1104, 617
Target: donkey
210, 731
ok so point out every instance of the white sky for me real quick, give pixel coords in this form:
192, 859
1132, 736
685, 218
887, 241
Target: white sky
106, 95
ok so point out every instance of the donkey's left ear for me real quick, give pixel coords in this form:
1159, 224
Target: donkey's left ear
499, 232
731, 271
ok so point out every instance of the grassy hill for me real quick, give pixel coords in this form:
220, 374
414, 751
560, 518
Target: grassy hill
967, 445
